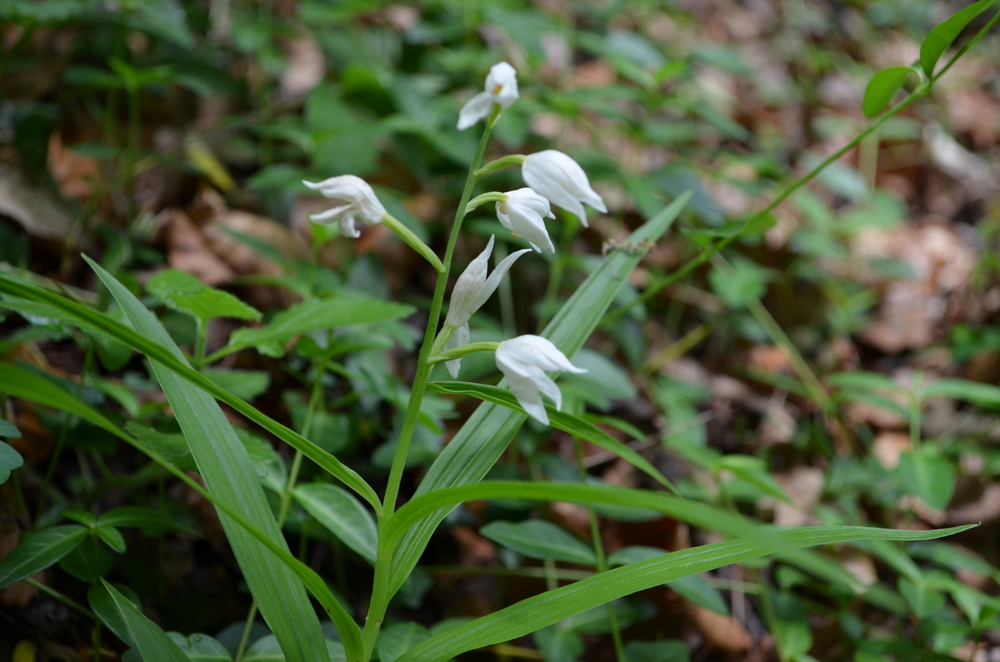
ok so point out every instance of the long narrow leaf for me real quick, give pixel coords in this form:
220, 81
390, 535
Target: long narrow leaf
485, 435
561, 421
152, 642
27, 385
90, 318
551, 607
229, 474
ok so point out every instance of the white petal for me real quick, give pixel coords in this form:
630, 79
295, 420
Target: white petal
528, 397
491, 284
501, 84
334, 213
475, 109
561, 179
347, 227
458, 338
465, 292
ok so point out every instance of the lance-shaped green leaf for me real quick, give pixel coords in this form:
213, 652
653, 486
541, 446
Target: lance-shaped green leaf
944, 34
568, 423
882, 87
21, 383
477, 446
342, 514
313, 315
39, 550
553, 606
225, 466
540, 540
90, 318
182, 291
152, 642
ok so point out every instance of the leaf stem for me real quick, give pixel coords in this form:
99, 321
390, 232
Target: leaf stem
383, 563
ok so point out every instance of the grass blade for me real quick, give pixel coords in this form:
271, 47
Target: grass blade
152, 642
89, 318
551, 607
229, 474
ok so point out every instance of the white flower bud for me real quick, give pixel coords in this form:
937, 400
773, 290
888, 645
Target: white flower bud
501, 88
561, 179
361, 203
522, 212
523, 361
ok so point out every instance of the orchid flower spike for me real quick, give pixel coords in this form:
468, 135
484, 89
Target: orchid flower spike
561, 179
523, 361
471, 291
361, 203
522, 212
501, 88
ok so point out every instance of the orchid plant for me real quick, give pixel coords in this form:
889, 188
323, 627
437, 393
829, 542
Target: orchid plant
389, 536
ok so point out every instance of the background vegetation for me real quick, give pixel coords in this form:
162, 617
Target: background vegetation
834, 364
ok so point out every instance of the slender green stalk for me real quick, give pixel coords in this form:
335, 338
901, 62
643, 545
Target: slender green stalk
483, 198
62, 598
464, 350
88, 360
500, 164
383, 563
413, 241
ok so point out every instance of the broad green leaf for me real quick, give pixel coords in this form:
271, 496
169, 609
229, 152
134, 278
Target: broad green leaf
558, 644
340, 512
923, 598
152, 642
790, 625
882, 87
313, 315
89, 318
597, 620
540, 540
568, 423
229, 475
953, 557
200, 647
244, 384
179, 290
111, 536
10, 459
173, 447
103, 605
945, 32
149, 520
30, 386
693, 587
753, 471
89, 562
553, 606
929, 476
977, 393
484, 437
266, 649
39, 550
8, 430
397, 639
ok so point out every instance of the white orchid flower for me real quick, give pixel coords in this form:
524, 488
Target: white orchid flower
522, 212
523, 361
471, 291
561, 179
361, 203
501, 88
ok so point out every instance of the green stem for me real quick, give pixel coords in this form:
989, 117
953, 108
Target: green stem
464, 350
500, 164
201, 340
64, 599
413, 241
482, 199
383, 563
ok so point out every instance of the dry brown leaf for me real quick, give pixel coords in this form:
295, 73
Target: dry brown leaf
305, 65
720, 632
473, 548
188, 250
888, 446
34, 208
804, 486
